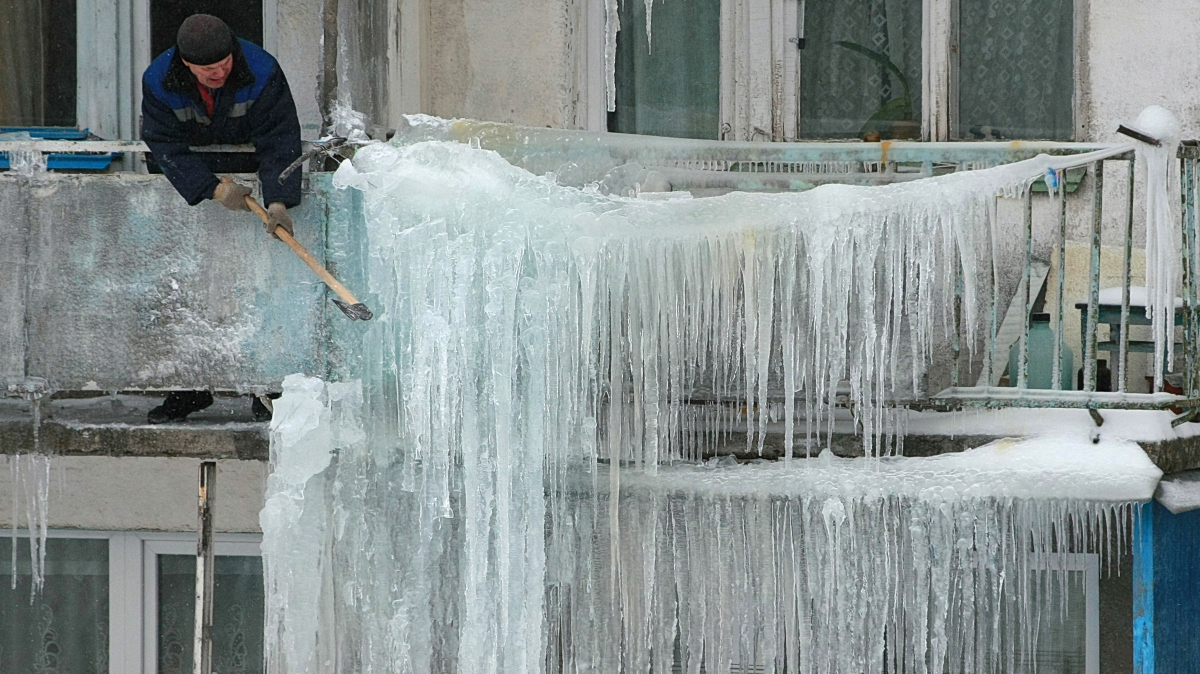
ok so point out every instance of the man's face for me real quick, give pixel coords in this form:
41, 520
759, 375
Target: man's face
213, 75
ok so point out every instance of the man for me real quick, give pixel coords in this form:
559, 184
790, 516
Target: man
212, 88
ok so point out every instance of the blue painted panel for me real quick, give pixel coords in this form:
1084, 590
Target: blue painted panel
1176, 591
1143, 591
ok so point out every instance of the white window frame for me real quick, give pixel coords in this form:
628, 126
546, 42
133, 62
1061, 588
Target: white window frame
760, 68
133, 586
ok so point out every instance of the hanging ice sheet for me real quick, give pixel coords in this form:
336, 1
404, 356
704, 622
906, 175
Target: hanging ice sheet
515, 501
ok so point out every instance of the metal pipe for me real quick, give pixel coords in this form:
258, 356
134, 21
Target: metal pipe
1093, 317
991, 360
1123, 354
1057, 382
202, 637
1189, 275
957, 341
1193, 225
1023, 361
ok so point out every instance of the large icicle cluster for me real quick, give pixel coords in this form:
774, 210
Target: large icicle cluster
546, 362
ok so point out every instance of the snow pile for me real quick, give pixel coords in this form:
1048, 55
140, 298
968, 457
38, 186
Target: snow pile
545, 358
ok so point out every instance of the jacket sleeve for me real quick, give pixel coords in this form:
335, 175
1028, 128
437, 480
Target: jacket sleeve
168, 141
275, 132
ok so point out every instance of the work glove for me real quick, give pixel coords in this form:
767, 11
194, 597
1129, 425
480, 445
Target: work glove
278, 217
231, 195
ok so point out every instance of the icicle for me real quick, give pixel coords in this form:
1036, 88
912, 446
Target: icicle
1161, 172
612, 25
543, 358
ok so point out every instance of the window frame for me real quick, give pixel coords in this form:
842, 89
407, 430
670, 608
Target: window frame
133, 585
760, 66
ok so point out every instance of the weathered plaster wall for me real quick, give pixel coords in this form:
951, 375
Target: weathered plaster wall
500, 61
299, 53
143, 494
1138, 54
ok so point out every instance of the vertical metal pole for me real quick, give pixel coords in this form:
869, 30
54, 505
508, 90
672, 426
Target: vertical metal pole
1189, 275
991, 360
1192, 226
957, 343
1122, 373
1093, 317
202, 641
1023, 362
1062, 281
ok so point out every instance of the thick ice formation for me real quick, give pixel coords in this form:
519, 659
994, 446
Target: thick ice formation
545, 363
1161, 172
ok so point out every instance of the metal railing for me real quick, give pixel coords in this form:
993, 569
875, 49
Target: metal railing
1185, 401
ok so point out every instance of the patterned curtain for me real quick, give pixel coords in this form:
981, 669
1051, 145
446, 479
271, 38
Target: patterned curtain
1016, 69
670, 85
63, 628
858, 57
238, 605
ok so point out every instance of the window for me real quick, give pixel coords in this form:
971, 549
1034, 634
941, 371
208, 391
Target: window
670, 85
853, 69
1016, 69
244, 18
64, 627
124, 602
37, 62
238, 605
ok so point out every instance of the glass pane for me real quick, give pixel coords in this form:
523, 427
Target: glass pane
860, 70
1060, 625
37, 63
670, 86
237, 614
1016, 69
65, 627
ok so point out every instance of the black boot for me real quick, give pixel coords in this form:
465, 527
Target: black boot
178, 405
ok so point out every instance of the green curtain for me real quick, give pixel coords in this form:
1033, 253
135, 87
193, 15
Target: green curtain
669, 85
63, 629
21, 62
1016, 69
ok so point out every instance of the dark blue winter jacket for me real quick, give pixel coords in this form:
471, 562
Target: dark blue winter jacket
255, 106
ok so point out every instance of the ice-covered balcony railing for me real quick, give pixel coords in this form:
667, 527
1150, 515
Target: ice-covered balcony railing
1021, 271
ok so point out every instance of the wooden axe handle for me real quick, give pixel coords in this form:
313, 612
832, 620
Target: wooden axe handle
309, 260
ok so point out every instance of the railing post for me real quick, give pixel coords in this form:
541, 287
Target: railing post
1062, 280
1093, 317
1123, 354
1023, 361
1189, 275
202, 637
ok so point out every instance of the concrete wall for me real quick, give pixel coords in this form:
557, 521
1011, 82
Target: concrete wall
299, 53
1138, 54
143, 494
112, 281
501, 61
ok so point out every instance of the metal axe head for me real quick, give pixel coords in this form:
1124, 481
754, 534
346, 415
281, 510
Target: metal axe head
356, 312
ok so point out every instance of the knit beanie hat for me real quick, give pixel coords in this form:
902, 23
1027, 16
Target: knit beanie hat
203, 39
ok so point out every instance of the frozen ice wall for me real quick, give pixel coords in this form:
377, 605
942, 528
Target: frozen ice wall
547, 365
